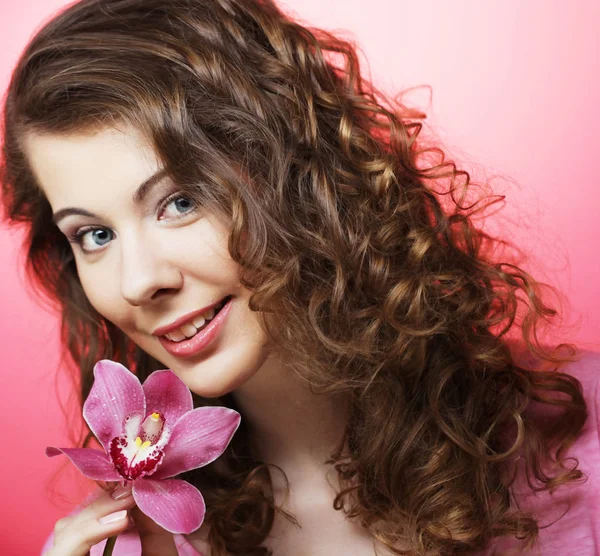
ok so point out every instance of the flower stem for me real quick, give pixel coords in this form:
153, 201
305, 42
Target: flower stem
110, 544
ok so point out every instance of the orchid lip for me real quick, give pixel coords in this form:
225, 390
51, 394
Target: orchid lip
139, 450
175, 325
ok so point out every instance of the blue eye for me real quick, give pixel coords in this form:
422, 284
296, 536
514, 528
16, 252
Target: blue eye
183, 204
99, 237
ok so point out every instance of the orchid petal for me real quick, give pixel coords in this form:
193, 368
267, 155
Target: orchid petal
167, 394
115, 394
175, 505
94, 464
197, 439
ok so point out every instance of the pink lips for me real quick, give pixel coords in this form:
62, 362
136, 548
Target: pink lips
162, 330
194, 345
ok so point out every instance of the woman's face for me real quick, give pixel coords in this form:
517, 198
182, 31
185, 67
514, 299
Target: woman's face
145, 263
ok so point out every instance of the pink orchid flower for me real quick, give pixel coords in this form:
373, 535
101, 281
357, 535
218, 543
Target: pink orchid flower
150, 433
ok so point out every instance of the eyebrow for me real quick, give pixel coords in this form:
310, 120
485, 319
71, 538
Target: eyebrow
138, 196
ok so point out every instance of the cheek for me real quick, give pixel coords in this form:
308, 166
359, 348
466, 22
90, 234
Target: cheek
102, 293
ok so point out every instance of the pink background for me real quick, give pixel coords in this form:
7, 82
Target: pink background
512, 96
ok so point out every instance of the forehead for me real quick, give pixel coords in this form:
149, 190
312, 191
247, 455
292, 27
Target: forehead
73, 167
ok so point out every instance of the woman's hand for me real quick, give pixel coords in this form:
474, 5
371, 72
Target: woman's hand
106, 517
103, 518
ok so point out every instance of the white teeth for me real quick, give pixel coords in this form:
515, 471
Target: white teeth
176, 335
186, 331
199, 321
189, 330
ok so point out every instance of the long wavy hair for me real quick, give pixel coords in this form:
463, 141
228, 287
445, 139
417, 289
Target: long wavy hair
361, 252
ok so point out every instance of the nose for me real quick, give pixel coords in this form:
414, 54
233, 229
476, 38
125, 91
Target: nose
146, 273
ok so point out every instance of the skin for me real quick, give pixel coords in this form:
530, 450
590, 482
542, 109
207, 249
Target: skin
147, 265
75, 535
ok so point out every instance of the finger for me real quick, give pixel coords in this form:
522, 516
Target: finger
155, 540
78, 537
61, 524
103, 518
105, 503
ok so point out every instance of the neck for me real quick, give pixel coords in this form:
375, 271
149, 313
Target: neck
289, 425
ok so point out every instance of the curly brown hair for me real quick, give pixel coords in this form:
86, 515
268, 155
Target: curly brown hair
380, 286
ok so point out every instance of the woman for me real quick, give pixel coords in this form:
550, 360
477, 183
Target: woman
170, 159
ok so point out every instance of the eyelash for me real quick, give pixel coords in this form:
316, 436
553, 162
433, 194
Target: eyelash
78, 236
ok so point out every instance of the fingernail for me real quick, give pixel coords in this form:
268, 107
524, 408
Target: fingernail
120, 492
111, 518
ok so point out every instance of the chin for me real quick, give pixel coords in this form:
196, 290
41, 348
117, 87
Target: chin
215, 378
207, 388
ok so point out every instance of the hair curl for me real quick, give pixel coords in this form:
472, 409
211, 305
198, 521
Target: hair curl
390, 293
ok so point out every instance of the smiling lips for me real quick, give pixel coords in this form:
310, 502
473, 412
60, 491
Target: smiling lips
196, 324
200, 338
194, 319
